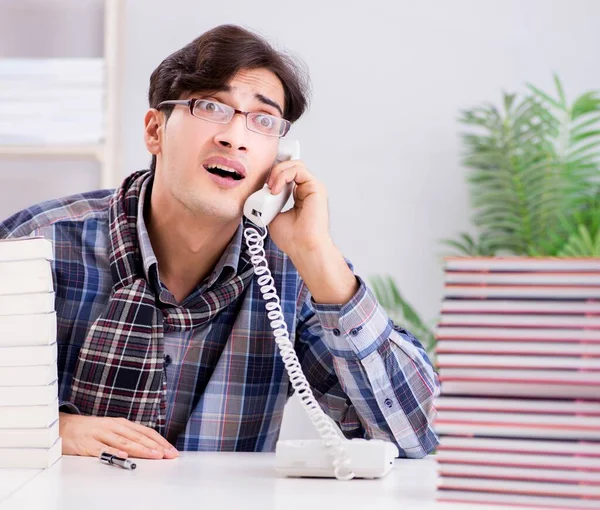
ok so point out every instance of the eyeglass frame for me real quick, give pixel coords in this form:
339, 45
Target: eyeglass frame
191, 103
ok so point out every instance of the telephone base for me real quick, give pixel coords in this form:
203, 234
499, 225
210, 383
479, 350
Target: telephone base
372, 458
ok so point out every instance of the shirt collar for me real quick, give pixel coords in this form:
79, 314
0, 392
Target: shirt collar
225, 269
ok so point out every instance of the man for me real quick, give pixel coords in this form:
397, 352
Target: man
164, 342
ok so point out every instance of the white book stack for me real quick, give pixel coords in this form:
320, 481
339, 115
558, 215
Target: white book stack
58, 101
518, 354
28, 356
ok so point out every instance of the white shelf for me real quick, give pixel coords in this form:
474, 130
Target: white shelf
96, 150
108, 151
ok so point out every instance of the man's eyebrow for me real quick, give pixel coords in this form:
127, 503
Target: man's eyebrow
260, 97
270, 102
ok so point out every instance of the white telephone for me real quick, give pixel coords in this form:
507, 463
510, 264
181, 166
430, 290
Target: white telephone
262, 206
331, 456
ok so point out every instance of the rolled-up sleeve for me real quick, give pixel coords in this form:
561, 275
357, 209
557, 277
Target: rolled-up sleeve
371, 376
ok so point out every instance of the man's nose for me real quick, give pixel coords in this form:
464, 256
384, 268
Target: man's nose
234, 134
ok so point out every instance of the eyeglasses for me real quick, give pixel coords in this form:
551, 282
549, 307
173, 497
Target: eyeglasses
220, 113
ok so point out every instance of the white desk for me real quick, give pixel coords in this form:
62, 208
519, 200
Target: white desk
221, 480
12, 480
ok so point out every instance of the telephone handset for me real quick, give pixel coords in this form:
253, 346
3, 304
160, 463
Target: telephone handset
332, 455
262, 206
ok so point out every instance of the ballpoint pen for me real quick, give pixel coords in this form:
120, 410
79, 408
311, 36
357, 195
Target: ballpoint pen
117, 461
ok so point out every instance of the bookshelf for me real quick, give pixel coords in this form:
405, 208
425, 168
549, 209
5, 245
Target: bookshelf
106, 152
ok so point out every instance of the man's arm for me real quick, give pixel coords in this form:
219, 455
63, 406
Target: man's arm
81, 435
371, 376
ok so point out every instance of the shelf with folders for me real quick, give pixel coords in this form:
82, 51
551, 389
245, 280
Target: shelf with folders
66, 107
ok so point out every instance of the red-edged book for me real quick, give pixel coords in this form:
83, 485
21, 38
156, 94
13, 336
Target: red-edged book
518, 357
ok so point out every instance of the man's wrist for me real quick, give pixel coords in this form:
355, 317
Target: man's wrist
326, 274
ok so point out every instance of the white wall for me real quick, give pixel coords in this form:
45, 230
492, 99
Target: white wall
394, 177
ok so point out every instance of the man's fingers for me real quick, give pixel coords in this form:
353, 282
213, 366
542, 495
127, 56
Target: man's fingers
282, 167
286, 176
151, 434
95, 448
134, 449
297, 173
133, 435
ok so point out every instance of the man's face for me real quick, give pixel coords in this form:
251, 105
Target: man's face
187, 146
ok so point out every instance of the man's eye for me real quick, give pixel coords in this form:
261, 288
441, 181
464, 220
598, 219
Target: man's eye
210, 106
265, 121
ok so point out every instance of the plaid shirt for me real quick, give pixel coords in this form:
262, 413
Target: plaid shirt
371, 377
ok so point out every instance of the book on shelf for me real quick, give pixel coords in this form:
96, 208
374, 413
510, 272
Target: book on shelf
576, 476
53, 93
26, 277
51, 140
517, 405
517, 348
42, 437
52, 70
522, 361
522, 306
32, 375
517, 333
521, 291
29, 427
71, 111
23, 356
27, 330
28, 395
516, 500
520, 320
518, 388
38, 303
523, 264
30, 458
522, 448
522, 278
525, 488
25, 248
506, 424
518, 358
29, 416
78, 107
529, 461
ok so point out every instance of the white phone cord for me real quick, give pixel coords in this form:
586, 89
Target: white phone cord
333, 442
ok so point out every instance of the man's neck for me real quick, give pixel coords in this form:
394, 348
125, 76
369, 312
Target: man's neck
187, 246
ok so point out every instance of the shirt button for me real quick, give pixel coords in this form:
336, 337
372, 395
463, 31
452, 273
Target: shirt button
388, 402
336, 332
354, 332
168, 360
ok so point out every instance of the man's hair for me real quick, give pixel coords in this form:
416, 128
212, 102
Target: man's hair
211, 61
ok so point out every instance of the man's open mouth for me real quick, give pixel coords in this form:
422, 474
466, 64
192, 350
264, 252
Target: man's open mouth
223, 171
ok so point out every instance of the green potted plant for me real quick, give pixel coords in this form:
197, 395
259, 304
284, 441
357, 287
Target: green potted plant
534, 182
535, 175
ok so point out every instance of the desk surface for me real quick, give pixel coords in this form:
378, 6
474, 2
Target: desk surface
12, 480
219, 480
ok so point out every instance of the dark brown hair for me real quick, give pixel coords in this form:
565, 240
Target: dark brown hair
210, 61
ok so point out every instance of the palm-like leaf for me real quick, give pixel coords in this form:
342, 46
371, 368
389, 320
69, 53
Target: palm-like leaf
582, 244
468, 246
534, 167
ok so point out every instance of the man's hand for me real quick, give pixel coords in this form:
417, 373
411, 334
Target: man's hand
90, 436
306, 225
303, 234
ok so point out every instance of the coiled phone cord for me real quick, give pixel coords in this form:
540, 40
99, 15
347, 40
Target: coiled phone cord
333, 442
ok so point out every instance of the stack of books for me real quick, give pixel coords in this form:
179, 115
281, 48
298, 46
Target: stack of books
29, 435
518, 355
51, 101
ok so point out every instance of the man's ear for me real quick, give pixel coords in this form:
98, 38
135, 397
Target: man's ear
153, 130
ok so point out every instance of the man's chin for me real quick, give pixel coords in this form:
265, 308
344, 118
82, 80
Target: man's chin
219, 211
